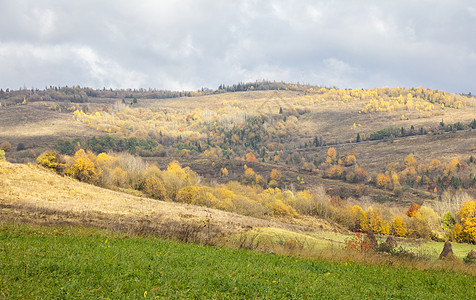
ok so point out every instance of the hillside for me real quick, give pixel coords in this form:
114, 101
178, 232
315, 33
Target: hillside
29, 193
264, 151
291, 128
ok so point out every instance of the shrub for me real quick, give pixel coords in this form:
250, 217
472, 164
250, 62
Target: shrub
6, 146
360, 175
21, 147
447, 221
411, 212
2, 155
360, 243
383, 181
275, 175
84, 168
350, 160
154, 188
176, 177
187, 194
65, 147
51, 159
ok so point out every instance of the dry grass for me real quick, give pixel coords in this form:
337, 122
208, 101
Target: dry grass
30, 193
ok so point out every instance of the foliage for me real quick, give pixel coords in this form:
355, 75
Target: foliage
467, 215
52, 160
398, 227
2, 155
154, 188
411, 212
6, 146
84, 168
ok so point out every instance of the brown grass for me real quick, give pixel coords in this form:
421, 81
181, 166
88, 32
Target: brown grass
29, 193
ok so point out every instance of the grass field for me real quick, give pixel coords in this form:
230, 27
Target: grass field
44, 262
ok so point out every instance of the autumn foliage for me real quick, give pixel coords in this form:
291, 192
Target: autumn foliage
52, 160
467, 215
411, 212
84, 168
6, 146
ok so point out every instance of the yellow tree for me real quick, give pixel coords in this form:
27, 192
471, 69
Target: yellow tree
350, 160
224, 172
331, 155
251, 157
410, 160
275, 175
154, 188
359, 216
413, 210
467, 214
84, 168
399, 227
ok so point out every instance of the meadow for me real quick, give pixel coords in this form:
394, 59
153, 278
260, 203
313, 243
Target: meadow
71, 262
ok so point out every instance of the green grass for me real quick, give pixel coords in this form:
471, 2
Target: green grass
42, 262
459, 250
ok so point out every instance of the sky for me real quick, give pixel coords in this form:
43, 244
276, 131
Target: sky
190, 44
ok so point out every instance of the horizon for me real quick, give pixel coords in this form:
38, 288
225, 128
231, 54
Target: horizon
187, 45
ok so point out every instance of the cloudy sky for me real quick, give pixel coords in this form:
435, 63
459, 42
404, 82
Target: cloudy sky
189, 44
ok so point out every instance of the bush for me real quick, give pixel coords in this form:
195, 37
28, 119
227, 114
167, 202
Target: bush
154, 188
6, 146
51, 159
84, 168
2, 155
21, 147
360, 243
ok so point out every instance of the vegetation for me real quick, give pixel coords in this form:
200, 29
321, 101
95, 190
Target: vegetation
268, 166
47, 262
253, 197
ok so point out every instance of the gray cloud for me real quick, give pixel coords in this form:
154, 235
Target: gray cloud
191, 44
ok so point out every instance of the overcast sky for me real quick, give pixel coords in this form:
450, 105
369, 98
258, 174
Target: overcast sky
189, 44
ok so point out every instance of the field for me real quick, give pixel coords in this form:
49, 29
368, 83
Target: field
67, 202
71, 263
244, 194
